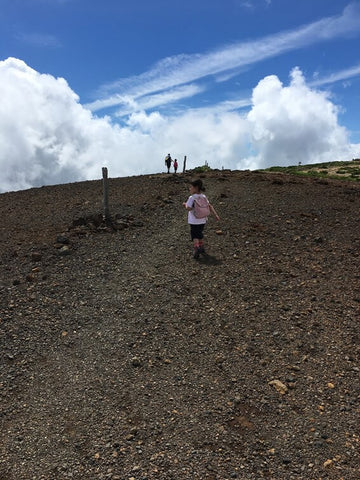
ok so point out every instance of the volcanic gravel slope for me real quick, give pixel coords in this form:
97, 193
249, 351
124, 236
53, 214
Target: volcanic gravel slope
124, 358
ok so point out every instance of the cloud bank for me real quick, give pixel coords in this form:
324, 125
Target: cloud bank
48, 137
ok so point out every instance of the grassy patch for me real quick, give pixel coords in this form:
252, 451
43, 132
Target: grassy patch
334, 170
202, 169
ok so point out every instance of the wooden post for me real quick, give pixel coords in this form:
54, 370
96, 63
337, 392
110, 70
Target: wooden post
106, 193
184, 167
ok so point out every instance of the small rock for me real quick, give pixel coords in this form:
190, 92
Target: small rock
36, 256
136, 362
279, 386
120, 224
62, 239
65, 250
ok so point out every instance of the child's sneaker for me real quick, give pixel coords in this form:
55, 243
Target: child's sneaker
197, 253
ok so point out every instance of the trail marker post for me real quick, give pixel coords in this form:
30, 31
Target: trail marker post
106, 193
184, 167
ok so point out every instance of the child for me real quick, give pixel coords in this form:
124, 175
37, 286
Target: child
197, 224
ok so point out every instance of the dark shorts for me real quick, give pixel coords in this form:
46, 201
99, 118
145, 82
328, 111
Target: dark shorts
197, 231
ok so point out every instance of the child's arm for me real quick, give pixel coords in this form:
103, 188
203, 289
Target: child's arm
187, 206
213, 211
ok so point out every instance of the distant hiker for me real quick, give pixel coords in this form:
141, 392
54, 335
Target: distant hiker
175, 165
168, 161
199, 208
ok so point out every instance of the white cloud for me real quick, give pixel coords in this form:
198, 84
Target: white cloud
253, 4
342, 75
48, 137
128, 104
295, 124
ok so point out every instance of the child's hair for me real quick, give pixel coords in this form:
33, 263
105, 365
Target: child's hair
198, 184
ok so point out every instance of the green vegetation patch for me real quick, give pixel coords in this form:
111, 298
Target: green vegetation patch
335, 170
202, 169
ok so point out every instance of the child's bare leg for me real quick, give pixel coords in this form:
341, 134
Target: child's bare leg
196, 247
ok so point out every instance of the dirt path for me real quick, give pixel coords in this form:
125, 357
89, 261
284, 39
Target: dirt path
128, 359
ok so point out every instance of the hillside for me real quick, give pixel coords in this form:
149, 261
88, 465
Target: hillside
124, 358
340, 170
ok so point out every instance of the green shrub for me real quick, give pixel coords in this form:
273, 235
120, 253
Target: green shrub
202, 169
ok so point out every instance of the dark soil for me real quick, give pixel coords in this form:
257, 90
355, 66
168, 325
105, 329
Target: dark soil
124, 358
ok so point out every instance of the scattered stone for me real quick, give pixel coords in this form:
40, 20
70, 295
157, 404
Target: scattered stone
279, 386
278, 181
65, 250
36, 256
120, 224
136, 362
62, 239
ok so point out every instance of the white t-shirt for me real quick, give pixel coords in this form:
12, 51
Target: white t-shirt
192, 220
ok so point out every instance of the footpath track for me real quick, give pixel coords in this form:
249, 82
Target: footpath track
123, 358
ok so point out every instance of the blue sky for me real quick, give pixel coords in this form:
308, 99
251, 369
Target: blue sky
216, 80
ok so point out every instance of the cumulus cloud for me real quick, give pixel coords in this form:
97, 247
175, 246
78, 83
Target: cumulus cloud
295, 124
48, 137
